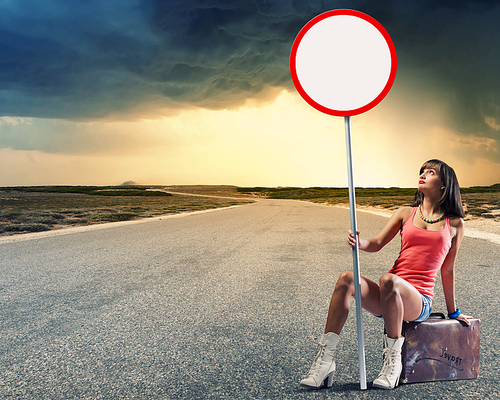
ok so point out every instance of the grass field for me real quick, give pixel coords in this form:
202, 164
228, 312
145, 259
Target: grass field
479, 201
37, 209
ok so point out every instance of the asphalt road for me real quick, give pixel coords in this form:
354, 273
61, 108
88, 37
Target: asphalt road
220, 305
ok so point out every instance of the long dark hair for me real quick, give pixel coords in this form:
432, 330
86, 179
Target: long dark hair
451, 200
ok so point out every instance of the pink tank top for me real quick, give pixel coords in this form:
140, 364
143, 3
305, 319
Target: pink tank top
422, 254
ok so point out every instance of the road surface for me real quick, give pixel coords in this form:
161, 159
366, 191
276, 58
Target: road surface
219, 305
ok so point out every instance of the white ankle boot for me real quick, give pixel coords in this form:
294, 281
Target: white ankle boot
323, 366
392, 367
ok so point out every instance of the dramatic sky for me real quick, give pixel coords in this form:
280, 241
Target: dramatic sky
199, 92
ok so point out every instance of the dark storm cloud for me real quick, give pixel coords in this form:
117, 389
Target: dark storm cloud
93, 58
70, 59
452, 48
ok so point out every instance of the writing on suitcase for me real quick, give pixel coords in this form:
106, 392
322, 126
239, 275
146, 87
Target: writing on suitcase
454, 359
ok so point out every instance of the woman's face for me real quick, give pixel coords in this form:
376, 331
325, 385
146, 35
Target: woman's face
429, 180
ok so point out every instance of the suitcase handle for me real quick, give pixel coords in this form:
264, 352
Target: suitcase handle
437, 315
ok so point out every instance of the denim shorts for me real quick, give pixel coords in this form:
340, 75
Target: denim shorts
426, 309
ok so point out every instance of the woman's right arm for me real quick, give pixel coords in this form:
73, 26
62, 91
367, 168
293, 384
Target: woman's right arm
386, 234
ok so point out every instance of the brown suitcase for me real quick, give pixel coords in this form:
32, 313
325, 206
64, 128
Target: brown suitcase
440, 349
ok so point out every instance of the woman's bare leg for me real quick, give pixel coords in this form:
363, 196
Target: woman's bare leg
399, 301
340, 302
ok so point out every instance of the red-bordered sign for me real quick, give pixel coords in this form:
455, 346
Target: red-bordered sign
343, 62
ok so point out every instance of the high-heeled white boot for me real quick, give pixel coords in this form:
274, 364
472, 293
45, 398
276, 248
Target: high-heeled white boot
392, 367
323, 366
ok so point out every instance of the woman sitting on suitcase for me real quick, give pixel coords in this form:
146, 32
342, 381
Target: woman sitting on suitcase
431, 232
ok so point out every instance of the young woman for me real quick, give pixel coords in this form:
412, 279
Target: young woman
431, 232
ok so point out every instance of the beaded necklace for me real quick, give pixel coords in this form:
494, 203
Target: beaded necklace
429, 221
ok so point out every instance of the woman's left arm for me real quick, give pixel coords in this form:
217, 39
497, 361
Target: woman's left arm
448, 268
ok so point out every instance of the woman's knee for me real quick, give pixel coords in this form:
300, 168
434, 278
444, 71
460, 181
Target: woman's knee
345, 281
388, 284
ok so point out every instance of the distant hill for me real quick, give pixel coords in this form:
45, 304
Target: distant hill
128, 183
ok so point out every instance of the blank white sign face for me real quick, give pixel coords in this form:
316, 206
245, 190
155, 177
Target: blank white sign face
343, 62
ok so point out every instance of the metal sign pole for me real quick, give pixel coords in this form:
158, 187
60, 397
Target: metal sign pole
355, 256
